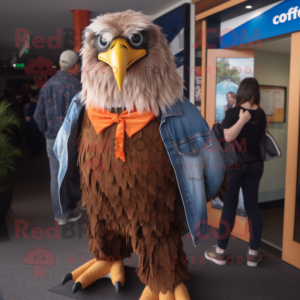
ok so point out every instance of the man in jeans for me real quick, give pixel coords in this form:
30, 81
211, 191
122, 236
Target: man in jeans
54, 100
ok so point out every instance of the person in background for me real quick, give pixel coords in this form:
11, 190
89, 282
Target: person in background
33, 132
54, 100
231, 98
247, 121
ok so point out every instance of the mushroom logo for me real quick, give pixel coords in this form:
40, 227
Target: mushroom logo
40, 68
40, 258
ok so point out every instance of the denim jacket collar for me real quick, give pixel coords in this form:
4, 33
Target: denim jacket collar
174, 110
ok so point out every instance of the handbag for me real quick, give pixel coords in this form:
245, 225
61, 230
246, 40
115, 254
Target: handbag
233, 153
268, 147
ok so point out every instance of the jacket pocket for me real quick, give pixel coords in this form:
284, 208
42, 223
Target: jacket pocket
62, 138
194, 154
60, 143
66, 125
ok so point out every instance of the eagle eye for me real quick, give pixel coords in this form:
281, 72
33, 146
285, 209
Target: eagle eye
136, 39
102, 42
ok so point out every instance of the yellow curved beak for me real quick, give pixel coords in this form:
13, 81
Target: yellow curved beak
120, 56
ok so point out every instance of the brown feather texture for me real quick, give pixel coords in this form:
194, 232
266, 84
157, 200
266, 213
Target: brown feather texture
133, 206
151, 83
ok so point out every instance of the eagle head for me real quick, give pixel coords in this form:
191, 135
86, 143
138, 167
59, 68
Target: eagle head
126, 62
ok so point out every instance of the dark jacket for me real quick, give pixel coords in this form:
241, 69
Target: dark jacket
54, 101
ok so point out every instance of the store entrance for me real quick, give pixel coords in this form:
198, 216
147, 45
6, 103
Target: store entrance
275, 63
271, 63
272, 70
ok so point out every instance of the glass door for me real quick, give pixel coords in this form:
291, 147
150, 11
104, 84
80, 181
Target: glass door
226, 68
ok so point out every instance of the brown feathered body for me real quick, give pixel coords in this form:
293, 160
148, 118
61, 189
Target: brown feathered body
133, 206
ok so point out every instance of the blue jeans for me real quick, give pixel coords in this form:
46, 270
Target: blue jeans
54, 167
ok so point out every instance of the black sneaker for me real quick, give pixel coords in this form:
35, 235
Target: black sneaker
217, 258
253, 260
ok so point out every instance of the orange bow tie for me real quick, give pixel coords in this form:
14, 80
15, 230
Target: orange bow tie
131, 123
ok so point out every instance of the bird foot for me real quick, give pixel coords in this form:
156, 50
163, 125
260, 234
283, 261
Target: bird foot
180, 293
94, 270
148, 294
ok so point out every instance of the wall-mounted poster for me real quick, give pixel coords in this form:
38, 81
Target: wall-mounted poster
272, 101
230, 73
198, 80
176, 27
198, 91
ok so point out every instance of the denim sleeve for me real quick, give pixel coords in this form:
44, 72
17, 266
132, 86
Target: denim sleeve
40, 113
214, 170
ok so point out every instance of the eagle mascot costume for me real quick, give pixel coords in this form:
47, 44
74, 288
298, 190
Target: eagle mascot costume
130, 191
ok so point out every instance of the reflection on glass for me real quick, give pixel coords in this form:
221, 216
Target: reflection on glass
230, 73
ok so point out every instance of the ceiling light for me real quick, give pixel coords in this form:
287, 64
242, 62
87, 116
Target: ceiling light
248, 7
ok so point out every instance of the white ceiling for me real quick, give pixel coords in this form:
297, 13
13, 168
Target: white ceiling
42, 18
278, 45
281, 45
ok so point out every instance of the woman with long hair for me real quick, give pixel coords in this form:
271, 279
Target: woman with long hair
246, 123
231, 99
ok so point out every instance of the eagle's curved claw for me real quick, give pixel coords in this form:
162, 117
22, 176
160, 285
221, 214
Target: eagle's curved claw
76, 287
118, 286
94, 270
67, 278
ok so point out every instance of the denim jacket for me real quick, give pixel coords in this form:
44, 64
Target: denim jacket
194, 152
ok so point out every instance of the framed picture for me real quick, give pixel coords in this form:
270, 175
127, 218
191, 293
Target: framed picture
230, 72
273, 102
198, 90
